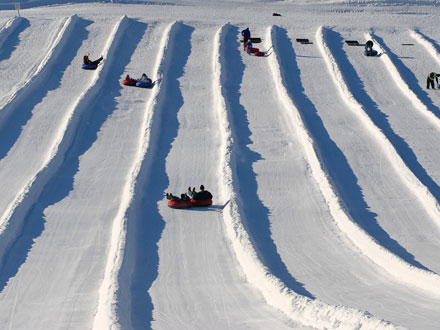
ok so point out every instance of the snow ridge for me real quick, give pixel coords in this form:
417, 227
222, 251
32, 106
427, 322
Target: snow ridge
9, 28
56, 155
299, 308
400, 269
427, 44
56, 38
106, 314
63, 36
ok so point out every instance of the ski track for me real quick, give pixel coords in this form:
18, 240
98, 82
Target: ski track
300, 308
318, 228
412, 142
62, 193
403, 271
108, 313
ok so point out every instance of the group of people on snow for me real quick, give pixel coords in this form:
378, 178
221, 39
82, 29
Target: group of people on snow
87, 61
143, 78
191, 194
247, 43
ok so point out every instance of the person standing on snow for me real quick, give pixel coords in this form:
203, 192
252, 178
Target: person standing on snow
430, 80
246, 36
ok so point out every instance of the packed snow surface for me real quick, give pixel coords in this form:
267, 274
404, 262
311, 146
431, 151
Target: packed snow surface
324, 165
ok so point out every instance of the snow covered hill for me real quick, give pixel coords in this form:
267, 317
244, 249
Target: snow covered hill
324, 165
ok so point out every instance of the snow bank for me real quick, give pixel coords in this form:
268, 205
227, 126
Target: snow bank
106, 315
432, 50
299, 308
400, 269
9, 28
55, 43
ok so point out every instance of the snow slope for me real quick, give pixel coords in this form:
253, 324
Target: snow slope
323, 165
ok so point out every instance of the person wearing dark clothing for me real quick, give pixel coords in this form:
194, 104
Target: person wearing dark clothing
246, 36
249, 47
430, 80
369, 46
183, 197
87, 61
203, 194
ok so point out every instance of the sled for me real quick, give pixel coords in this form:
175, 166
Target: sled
130, 82
253, 40
180, 204
353, 43
370, 53
144, 83
89, 66
304, 41
201, 202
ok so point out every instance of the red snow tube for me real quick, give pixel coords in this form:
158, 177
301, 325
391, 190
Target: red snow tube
179, 204
259, 54
130, 82
255, 50
201, 202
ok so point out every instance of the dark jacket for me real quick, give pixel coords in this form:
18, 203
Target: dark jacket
203, 195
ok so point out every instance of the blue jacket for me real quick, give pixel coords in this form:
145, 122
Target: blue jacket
246, 33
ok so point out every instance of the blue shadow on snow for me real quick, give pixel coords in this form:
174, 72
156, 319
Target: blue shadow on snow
145, 224
60, 184
13, 40
254, 214
15, 115
341, 174
409, 77
380, 119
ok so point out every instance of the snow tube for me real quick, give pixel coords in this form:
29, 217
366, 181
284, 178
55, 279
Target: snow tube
255, 50
130, 82
89, 66
259, 54
144, 83
179, 204
201, 202
370, 53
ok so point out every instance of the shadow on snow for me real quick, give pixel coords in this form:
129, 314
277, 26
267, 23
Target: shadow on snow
332, 157
255, 215
12, 41
145, 224
409, 77
56, 186
379, 118
15, 115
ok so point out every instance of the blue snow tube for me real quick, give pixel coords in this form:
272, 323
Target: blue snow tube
370, 53
89, 66
144, 83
